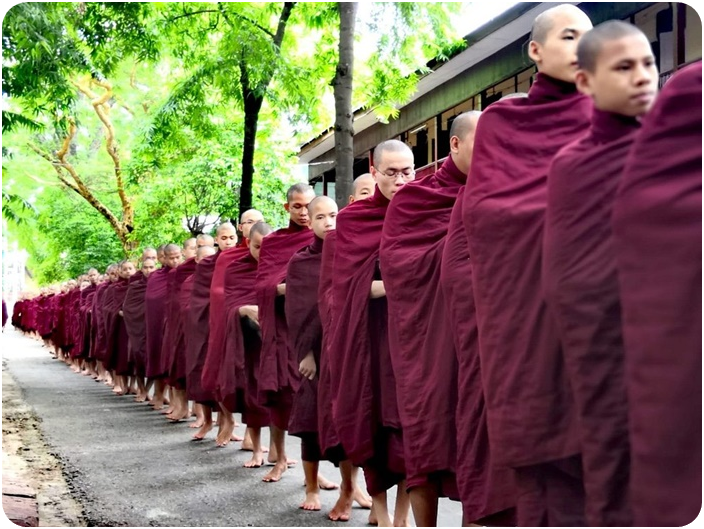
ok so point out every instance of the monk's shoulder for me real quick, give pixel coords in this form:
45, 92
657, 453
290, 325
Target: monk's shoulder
572, 157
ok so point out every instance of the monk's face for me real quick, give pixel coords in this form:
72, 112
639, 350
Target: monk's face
226, 238
172, 258
93, 276
113, 274
160, 256
148, 266
189, 250
395, 170
557, 56
127, 270
85, 284
149, 254
248, 220
297, 207
363, 188
204, 241
323, 218
625, 79
255, 245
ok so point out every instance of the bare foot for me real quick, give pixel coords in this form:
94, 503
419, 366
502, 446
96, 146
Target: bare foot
118, 390
342, 511
236, 438
364, 501
177, 416
197, 424
223, 438
275, 473
200, 434
157, 404
312, 502
256, 461
326, 484
141, 397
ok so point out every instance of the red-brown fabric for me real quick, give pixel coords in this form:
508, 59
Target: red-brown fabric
218, 374
86, 302
658, 237
179, 303
108, 311
117, 357
44, 315
133, 309
530, 410
74, 325
327, 379
581, 289
305, 333
485, 489
421, 347
155, 300
365, 411
198, 330
98, 322
275, 369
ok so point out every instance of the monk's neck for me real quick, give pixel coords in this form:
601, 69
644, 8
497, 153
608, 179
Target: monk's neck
546, 88
609, 126
293, 227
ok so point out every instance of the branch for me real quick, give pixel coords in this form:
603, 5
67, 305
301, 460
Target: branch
283, 20
193, 13
225, 15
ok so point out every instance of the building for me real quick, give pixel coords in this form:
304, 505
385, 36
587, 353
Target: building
495, 63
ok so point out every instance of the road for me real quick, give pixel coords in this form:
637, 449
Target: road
128, 466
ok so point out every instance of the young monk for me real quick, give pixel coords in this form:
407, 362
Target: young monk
617, 71
275, 369
657, 227
117, 359
362, 187
226, 239
155, 313
365, 411
189, 248
98, 351
205, 240
531, 418
330, 446
133, 312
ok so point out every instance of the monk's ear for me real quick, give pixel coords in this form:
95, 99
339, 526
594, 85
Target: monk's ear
535, 52
286, 206
583, 82
454, 144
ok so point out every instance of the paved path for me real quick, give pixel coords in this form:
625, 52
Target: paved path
129, 466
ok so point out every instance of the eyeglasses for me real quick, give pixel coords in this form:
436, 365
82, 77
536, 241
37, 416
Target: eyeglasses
406, 174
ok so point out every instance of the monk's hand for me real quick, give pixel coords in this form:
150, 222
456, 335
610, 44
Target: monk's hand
377, 290
251, 312
307, 366
281, 289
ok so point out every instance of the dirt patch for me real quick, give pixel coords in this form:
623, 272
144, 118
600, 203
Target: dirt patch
26, 456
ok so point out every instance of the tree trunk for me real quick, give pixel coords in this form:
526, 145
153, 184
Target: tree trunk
344, 128
252, 106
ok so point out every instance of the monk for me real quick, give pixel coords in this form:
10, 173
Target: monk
133, 312
189, 248
362, 187
160, 254
276, 368
532, 423
117, 359
149, 253
205, 240
87, 295
329, 442
617, 71
365, 411
226, 239
97, 350
155, 313
657, 239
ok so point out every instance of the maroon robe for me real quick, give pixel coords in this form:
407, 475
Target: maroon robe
305, 333
581, 289
85, 303
180, 302
155, 300
44, 315
658, 236
275, 369
109, 309
168, 342
133, 309
97, 323
530, 409
4, 314
117, 357
215, 365
485, 489
421, 346
365, 411
74, 320
198, 330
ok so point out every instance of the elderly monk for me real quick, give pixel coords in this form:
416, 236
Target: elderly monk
422, 346
617, 70
657, 238
198, 336
276, 369
155, 314
365, 411
226, 238
533, 426
362, 187
133, 312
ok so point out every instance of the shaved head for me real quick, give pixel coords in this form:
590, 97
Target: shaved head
203, 252
389, 146
319, 202
226, 236
593, 41
514, 95
545, 21
249, 218
260, 228
362, 187
298, 188
464, 123
204, 240
189, 248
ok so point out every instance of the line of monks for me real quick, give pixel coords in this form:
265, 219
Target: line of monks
520, 331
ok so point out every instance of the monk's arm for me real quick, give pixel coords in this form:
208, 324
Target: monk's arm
251, 312
307, 367
281, 289
377, 290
